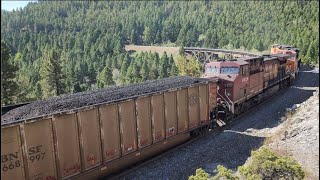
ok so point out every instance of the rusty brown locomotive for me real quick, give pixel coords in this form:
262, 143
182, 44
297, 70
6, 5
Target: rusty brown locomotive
92, 134
246, 81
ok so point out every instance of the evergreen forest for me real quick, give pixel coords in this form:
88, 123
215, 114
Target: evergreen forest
51, 48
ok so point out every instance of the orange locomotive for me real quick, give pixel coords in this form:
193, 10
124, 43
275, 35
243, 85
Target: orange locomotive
293, 62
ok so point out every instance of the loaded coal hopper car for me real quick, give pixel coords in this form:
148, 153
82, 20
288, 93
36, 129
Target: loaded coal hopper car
92, 134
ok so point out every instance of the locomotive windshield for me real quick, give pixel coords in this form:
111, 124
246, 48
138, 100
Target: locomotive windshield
212, 70
229, 70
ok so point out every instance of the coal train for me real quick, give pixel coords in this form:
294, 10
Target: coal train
92, 134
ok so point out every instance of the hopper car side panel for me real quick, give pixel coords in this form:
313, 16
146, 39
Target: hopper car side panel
193, 99
158, 124
12, 166
89, 138
110, 132
182, 110
67, 145
203, 102
128, 126
39, 150
143, 122
170, 113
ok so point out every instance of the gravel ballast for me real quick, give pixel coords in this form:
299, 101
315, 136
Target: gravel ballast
233, 146
84, 99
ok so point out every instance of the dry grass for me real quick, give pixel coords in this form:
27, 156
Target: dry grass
159, 49
281, 151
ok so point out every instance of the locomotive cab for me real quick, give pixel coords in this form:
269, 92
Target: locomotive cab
233, 78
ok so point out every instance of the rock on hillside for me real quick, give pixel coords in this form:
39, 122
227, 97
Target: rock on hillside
298, 136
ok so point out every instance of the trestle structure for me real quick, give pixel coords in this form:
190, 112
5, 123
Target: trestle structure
207, 55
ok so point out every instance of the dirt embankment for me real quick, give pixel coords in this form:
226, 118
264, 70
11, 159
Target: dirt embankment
298, 136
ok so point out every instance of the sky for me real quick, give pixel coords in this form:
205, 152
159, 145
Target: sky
11, 4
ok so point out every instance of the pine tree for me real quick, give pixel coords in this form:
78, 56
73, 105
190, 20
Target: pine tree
146, 35
170, 63
153, 73
38, 91
105, 78
117, 47
124, 68
8, 74
157, 39
109, 61
173, 69
154, 65
136, 73
163, 66
114, 64
51, 74
145, 71
129, 76
133, 38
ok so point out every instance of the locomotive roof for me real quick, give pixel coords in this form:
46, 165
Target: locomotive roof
281, 55
242, 62
239, 62
75, 101
269, 57
249, 58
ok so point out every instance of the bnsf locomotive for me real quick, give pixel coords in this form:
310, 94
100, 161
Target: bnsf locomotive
92, 134
247, 81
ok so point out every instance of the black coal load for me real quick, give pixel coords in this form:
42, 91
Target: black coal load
111, 94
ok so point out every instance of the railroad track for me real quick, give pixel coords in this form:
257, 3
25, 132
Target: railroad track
133, 168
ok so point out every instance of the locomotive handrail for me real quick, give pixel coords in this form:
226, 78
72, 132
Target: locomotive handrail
232, 110
224, 99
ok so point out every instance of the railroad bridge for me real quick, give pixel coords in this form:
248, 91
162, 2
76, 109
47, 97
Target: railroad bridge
206, 54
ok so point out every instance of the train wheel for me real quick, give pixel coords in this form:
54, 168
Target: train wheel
194, 133
205, 130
